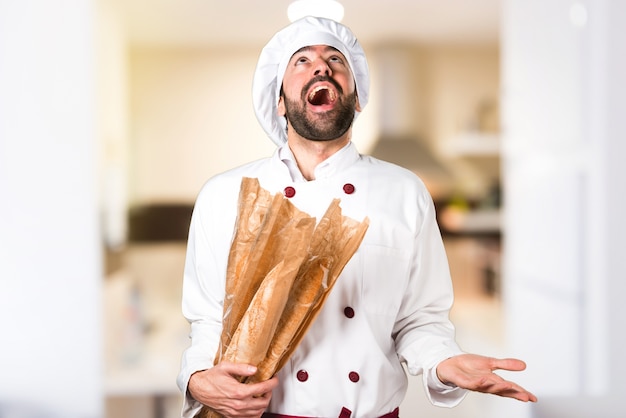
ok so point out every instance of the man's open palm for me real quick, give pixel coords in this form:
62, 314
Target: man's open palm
476, 373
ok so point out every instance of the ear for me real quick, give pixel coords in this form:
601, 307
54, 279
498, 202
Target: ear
357, 106
280, 111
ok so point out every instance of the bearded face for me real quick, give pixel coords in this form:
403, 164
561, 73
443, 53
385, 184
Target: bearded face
321, 125
318, 94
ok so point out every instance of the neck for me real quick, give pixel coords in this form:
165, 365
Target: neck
309, 154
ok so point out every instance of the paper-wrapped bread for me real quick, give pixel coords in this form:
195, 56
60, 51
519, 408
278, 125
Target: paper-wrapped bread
263, 236
281, 268
334, 241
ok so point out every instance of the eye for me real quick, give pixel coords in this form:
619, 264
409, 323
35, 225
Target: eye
301, 60
335, 58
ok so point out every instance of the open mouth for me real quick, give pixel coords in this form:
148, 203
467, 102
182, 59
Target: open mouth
322, 95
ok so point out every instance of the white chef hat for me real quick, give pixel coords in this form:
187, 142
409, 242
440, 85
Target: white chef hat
270, 70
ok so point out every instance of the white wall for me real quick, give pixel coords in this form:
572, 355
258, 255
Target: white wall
113, 112
192, 117
461, 80
463, 90
563, 101
50, 268
614, 125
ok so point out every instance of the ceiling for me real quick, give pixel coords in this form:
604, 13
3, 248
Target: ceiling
253, 22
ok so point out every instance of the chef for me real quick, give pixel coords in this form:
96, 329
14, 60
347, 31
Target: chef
388, 309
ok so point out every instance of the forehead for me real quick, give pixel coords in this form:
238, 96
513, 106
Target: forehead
315, 48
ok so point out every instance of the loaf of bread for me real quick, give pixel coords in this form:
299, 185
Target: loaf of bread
262, 238
281, 268
334, 241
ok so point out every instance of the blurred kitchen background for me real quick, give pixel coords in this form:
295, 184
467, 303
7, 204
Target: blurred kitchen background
113, 113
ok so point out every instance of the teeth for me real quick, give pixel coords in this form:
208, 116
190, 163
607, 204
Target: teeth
331, 93
314, 91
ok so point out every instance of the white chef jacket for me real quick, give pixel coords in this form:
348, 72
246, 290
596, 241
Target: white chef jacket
389, 306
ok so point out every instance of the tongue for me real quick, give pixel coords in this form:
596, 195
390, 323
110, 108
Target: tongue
321, 97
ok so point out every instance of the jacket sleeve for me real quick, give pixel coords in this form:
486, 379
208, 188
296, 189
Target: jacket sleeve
424, 334
203, 288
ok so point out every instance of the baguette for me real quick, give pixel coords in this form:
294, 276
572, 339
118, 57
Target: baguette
283, 229
281, 269
335, 240
307, 289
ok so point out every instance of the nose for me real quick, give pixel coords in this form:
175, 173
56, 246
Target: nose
321, 67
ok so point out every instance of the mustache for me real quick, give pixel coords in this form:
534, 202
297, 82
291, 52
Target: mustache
320, 78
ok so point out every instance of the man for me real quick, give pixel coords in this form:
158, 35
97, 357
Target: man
390, 305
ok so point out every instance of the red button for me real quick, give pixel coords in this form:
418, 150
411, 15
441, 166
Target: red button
345, 413
348, 188
354, 377
302, 375
348, 312
290, 191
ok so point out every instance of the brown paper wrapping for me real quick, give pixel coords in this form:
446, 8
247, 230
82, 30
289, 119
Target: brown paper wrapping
281, 268
334, 241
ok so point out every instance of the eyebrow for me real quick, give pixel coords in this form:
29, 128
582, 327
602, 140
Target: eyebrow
310, 47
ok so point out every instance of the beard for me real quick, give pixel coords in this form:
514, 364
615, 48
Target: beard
321, 126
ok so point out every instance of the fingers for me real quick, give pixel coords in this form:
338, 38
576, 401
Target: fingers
220, 388
498, 386
253, 398
266, 386
475, 372
510, 389
510, 364
516, 392
257, 390
237, 369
